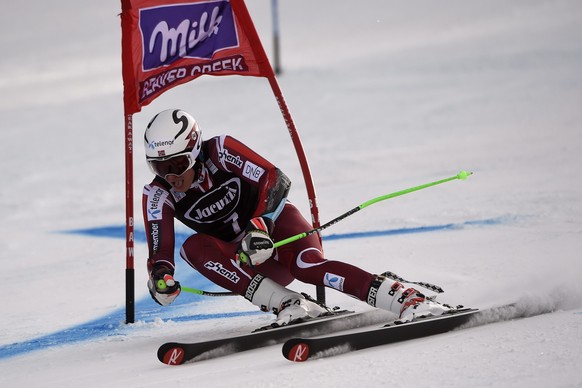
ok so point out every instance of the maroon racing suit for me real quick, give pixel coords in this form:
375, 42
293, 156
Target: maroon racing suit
236, 184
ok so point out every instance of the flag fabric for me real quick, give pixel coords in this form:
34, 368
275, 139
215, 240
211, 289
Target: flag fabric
166, 43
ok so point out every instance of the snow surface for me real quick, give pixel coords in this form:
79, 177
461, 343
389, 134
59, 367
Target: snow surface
386, 95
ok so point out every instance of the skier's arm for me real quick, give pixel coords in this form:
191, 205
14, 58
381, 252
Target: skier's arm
158, 213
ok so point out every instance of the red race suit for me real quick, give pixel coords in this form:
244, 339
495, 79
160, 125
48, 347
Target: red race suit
235, 185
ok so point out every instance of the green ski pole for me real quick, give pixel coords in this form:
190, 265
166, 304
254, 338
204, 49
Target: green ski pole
462, 175
207, 293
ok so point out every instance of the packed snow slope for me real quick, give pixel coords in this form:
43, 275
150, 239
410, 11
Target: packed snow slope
386, 95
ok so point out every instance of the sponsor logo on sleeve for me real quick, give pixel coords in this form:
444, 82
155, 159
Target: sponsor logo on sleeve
225, 157
155, 237
252, 171
219, 269
156, 199
334, 281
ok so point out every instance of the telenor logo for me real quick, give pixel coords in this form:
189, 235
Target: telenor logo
186, 31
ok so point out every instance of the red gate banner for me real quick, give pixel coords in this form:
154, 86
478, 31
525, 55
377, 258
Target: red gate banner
166, 43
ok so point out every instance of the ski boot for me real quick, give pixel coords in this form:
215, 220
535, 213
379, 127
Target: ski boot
289, 306
407, 303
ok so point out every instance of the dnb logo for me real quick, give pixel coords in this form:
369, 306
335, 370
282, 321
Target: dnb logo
178, 31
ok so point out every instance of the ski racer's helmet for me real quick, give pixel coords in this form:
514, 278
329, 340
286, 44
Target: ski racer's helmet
172, 142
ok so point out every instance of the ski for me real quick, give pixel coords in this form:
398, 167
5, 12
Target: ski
302, 349
175, 353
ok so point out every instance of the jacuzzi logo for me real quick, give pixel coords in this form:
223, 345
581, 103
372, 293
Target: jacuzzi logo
186, 31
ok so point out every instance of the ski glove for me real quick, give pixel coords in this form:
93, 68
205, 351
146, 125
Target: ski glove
256, 247
163, 288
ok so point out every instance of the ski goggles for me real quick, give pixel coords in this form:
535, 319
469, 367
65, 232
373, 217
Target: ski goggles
174, 165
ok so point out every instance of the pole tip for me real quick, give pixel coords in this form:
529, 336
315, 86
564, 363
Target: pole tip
464, 174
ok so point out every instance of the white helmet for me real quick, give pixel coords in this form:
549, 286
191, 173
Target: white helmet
172, 133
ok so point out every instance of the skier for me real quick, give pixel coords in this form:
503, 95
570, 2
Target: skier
236, 202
